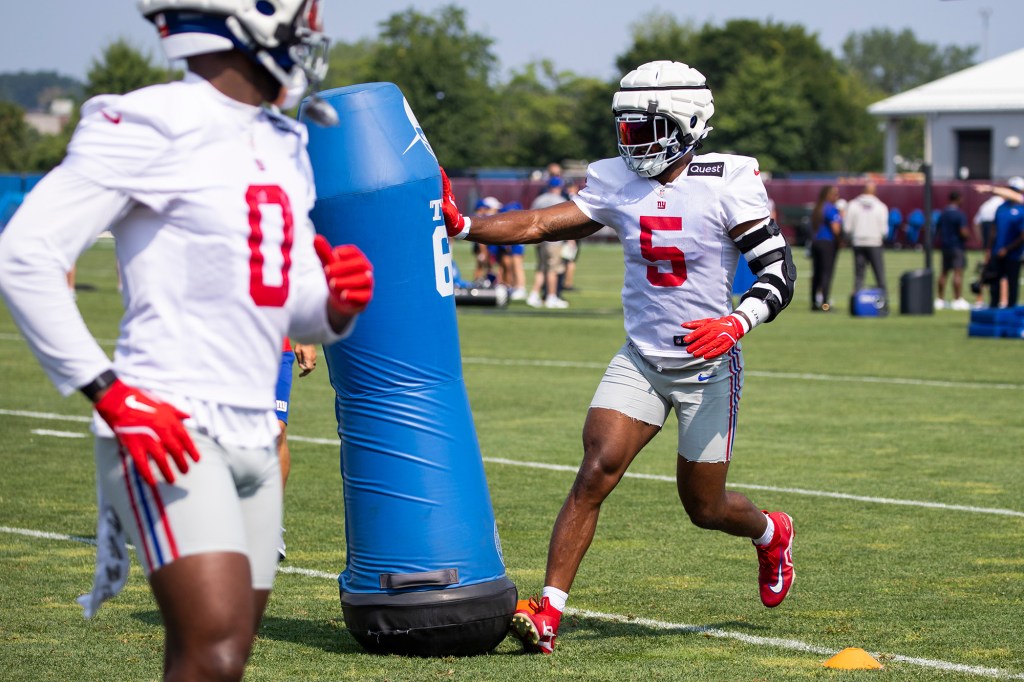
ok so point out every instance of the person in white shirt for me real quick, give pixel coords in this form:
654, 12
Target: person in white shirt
683, 221
866, 226
207, 194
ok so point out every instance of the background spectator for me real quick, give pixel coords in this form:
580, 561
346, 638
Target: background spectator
511, 258
867, 224
481, 255
952, 232
827, 224
549, 255
1008, 247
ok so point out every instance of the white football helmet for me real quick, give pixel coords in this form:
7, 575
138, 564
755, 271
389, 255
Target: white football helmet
284, 36
661, 113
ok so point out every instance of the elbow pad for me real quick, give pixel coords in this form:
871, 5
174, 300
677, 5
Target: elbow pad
770, 259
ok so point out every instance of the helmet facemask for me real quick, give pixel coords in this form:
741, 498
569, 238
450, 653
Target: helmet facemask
661, 114
648, 143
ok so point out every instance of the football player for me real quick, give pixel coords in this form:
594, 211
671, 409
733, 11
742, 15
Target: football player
207, 192
683, 221
305, 355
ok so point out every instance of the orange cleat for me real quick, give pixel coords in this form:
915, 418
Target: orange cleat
536, 625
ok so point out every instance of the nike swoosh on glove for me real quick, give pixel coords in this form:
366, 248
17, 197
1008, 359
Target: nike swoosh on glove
712, 336
455, 223
149, 429
349, 276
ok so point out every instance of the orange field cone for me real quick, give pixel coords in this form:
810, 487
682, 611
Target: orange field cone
522, 605
853, 658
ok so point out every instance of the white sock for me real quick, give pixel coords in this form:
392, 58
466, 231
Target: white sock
555, 596
769, 533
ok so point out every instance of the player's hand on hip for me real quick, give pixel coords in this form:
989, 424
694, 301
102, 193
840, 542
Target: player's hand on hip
455, 223
149, 429
712, 336
349, 276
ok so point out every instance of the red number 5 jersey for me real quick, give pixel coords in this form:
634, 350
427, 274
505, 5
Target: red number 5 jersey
679, 258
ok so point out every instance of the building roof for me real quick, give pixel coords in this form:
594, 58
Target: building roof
994, 85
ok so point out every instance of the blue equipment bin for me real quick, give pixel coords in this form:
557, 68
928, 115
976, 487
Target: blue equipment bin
869, 303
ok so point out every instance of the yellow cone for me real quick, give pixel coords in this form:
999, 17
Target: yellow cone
853, 658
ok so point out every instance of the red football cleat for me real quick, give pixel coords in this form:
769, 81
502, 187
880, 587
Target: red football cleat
536, 625
775, 573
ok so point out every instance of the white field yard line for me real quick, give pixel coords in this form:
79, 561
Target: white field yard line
799, 376
650, 477
683, 628
769, 488
803, 376
43, 535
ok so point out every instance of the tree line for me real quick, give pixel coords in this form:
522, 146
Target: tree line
779, 94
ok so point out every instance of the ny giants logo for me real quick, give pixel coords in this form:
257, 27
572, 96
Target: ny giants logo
662, 204
706, 169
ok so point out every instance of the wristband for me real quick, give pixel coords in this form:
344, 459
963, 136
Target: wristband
465, 229
742, 317
94, 387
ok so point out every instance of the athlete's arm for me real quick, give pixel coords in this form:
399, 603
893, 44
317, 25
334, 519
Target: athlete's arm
768, 254
1004, 192
59, 219
562, 221
770, 259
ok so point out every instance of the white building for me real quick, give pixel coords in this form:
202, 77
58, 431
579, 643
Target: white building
974, 120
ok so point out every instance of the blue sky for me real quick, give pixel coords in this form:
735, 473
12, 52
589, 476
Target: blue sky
580, 35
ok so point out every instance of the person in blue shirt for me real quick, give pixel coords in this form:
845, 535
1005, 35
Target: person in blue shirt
827, 225
952, 231
1007, 251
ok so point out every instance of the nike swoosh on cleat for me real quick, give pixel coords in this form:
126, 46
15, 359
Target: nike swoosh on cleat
777, 587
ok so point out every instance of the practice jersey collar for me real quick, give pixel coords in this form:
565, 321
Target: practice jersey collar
246, 113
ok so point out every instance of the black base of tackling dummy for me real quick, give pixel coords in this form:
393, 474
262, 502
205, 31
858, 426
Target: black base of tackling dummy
463, 621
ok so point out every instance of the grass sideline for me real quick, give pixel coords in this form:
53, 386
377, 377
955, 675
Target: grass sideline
892, 413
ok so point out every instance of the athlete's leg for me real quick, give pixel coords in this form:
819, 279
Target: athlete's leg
624, 415
610, 442
197, 545
207, 605
709, 505
707, 425
860, 262
877, 257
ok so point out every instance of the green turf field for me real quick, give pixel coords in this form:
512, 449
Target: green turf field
895, 444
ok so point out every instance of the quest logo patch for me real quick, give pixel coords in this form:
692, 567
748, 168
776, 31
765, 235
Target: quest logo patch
717, 169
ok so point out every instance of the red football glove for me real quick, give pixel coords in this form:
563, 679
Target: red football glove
712, 336
455, 223
349, 276
147, 428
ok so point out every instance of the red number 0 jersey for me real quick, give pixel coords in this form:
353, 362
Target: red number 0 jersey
208, 200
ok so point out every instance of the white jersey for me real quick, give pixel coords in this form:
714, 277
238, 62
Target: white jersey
208, 200
679, 258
